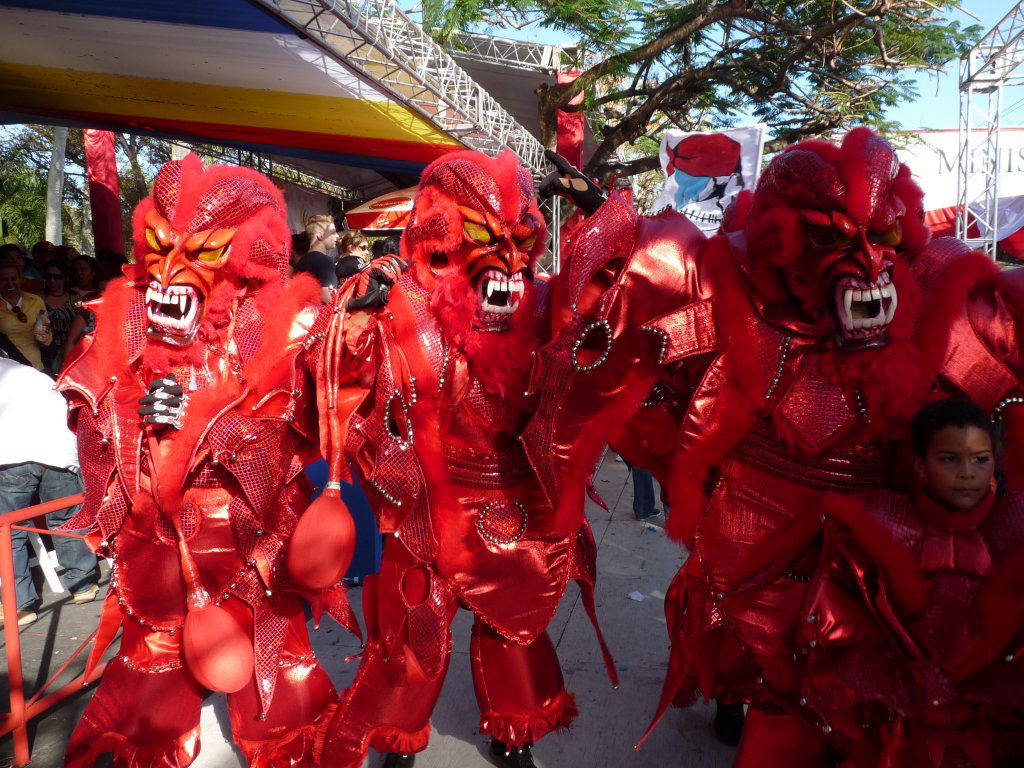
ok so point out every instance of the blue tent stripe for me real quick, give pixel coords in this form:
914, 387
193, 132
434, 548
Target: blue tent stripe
223, 14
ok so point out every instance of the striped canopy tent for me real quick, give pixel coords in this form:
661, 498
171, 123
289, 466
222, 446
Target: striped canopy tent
218, 72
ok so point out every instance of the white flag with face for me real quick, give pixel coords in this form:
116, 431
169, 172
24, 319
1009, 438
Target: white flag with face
705, 171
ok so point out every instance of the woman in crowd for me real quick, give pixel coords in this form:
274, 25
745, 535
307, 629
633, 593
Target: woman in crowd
90, 283
353, 254
61, 305
85, 272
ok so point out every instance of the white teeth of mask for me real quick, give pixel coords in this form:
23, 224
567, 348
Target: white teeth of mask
864, 307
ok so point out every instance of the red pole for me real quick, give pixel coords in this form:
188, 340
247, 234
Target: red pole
13, 640
104, 191
40, 510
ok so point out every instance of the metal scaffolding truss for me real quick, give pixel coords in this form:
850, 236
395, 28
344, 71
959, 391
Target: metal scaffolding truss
985, 71
265, 164
378, 40
515, 54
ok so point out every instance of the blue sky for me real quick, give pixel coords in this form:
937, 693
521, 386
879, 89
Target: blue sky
938, 101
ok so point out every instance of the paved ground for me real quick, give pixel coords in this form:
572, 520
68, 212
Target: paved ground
632, 557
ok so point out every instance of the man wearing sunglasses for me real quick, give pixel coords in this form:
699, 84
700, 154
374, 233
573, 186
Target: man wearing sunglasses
19, 312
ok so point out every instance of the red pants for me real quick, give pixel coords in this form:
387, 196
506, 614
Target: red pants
146, 709
408, 610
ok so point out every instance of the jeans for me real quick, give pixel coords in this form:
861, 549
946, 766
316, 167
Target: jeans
18, 484
643, 493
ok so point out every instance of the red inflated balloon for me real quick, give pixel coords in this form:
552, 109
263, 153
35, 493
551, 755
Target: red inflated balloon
321, 548
218, 650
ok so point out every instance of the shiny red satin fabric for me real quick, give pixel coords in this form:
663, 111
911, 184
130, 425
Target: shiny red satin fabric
409, 607
519, 688
149, 669
773, 740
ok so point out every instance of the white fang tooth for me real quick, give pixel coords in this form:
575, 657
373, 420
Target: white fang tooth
892, 306
490, 288
847, 302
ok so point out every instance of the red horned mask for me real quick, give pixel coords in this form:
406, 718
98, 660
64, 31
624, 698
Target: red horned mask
202, 234
828, 230
475, 219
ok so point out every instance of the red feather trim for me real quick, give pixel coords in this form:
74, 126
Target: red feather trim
391, 739
530, 727
174, 752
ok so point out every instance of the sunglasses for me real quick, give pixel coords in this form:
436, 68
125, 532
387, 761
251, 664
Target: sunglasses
21, 316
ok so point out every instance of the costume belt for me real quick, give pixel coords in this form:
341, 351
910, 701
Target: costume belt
861, 467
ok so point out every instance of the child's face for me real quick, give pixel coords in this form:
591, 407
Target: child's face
958, 467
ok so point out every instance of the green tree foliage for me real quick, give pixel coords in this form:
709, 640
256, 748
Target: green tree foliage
24, 162
804, 67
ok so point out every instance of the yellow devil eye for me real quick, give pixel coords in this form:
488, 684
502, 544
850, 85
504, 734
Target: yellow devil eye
213, 254
527, 242
827, 237
152, 240
892, 236
477, 232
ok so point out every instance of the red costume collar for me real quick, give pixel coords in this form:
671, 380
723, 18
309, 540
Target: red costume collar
952, 540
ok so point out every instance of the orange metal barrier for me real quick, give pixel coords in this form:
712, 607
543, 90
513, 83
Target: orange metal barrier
22, 711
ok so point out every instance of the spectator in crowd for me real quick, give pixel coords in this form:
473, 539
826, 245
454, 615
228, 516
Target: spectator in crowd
300, 245
323, 236
42, 252
643, 493
23, 317
353, 254
66, 252
14, 252
62, 306
85, 274
42, 461
11, 352
110, 264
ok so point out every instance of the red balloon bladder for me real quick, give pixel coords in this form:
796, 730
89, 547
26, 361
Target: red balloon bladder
218, 650
321, 548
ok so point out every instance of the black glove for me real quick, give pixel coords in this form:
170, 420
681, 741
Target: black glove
374, 282
568, 182
165, 403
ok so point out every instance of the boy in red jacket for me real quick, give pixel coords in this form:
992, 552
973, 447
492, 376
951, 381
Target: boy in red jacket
913, 624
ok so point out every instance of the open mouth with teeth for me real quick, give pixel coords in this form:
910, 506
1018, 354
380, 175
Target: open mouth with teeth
173, 313
499, 296
864, 310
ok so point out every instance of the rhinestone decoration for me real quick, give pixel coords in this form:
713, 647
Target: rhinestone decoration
157, 668
584, 334
404, 441
664, 341
861, 402
1005, 403
502, 523
783, 354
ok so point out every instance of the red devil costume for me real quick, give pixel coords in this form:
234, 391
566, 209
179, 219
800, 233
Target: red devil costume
438, 403
913, 653
759, 368
194, 498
